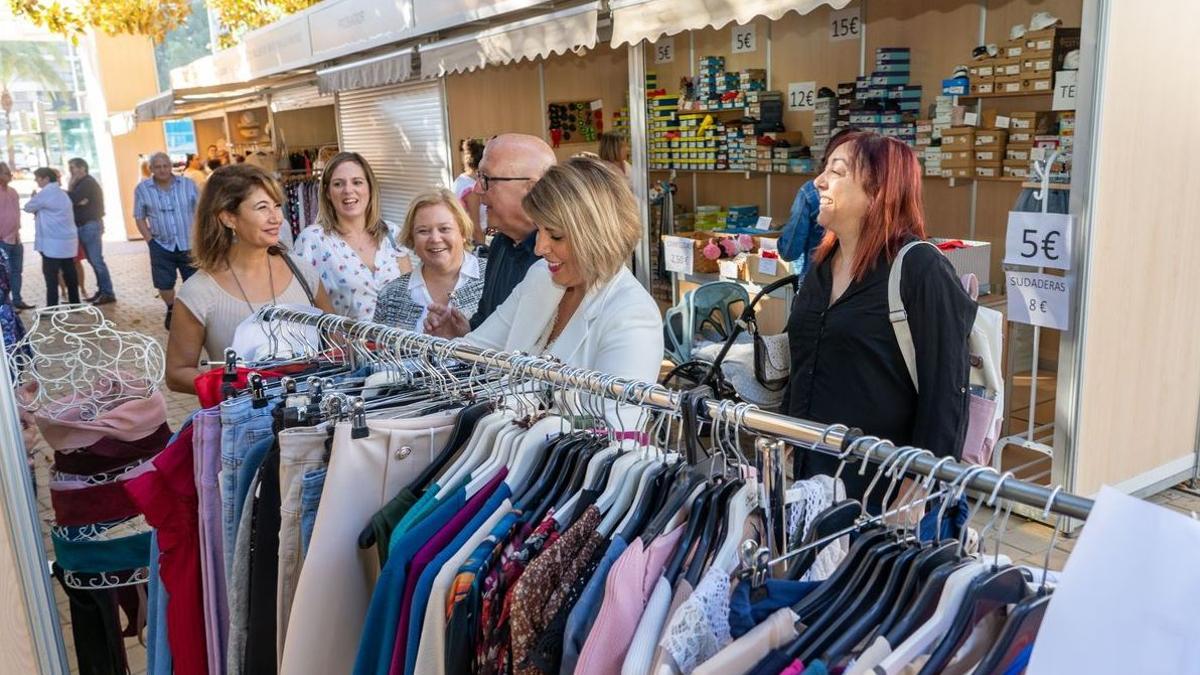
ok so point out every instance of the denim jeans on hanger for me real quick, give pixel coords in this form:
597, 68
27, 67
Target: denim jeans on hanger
311, 486
158, 651
246, 436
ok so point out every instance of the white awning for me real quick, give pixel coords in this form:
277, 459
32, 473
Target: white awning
637, 20
378, 71
534, 38
153, 108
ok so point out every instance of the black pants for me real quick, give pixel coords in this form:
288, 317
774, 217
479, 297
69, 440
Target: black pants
96, 627
50, 269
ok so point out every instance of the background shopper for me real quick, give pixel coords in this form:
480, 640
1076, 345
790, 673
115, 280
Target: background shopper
846, 364
87, 197
438, 231
164, 207
464, 187
351, 247
238, 221
10, 235
55, 235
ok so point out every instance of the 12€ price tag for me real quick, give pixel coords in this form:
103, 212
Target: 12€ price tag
802, 95
679, 252
1039, 240
1038, 299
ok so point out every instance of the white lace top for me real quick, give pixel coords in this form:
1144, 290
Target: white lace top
808, 499
700, 627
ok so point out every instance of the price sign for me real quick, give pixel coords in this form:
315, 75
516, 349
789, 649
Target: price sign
802, 95
664, 50
768, 266
1065, 89
764, 223
728, 269
745, 39
845, 24
679, 253
1002, 122
1038, 299
1039, 240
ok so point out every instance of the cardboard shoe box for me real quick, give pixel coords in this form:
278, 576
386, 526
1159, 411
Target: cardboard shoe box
1037, 84
1009, 84
958, 138
982, 86
1016, 168
963, 172
989, 156
1018, 153
958, 159
1008, 67
983, 68
991, 170
1034, 122
990, 139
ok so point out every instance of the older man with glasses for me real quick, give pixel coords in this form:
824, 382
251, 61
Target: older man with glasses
511, 164
164, 208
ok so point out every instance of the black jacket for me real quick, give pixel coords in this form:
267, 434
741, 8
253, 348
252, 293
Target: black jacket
848, 369
87, 188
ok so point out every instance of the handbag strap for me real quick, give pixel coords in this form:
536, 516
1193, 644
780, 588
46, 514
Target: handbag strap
899, 316
287, 259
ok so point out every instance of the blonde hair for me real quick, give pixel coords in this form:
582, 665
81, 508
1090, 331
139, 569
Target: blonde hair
327, 215
433, 198
591, 204
225, 191
612, 145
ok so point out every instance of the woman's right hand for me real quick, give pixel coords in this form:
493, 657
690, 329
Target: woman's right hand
445, 321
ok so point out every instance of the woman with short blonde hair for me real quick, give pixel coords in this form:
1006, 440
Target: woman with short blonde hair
438, 231
351, 247
580, 303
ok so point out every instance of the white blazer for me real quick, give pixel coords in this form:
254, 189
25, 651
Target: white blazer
616, 330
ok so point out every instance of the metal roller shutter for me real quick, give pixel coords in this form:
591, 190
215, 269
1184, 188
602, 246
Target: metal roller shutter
401, 131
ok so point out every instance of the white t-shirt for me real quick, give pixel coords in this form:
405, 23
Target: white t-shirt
461, 184
352, 286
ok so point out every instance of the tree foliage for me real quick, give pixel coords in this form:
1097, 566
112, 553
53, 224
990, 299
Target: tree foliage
153, 18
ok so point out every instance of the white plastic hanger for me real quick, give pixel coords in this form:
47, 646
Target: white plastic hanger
624, 495
478, 448
495, 461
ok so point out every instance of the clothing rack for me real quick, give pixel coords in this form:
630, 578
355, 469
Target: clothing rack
821, 437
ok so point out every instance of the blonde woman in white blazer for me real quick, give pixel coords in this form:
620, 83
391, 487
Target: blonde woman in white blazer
578, 304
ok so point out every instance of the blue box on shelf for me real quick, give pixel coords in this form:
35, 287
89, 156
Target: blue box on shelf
888, 79
958, 86
890, 54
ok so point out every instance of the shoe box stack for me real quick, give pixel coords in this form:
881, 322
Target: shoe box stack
1025, 64
989, 148
884, 101
825, 120
710, 80
958, 152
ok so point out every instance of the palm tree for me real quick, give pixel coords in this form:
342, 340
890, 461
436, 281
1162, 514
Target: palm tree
29, 61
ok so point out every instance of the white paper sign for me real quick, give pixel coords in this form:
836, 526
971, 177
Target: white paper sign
802, 95
1039, 240
768, 266
728, 269
1002, 122
679, 252
1065, 89
970, 119
745, 39
764, 223
845, 24
768, 244
1038, 299
664, 50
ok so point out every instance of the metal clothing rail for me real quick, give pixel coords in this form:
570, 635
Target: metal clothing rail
822, 437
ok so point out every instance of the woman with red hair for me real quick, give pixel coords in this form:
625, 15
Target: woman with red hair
846, 364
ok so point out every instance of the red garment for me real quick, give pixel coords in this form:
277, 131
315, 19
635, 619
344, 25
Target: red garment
96, 504
210, 384
109, 454
168, 498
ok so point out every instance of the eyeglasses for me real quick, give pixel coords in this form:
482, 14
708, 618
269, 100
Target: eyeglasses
488, 180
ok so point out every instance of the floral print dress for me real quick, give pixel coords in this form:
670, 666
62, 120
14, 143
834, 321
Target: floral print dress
353, 287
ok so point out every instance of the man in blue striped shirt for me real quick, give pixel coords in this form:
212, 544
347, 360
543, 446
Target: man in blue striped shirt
164, 207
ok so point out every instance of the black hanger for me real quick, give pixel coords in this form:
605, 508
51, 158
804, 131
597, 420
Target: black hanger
929, 559
878, 558
1020, 630
925, 602
823, 595
557, 456
986, 594
837, 517
577, 458
683, 487
692, 418
642, 507
866, 614
696, 519
714, 520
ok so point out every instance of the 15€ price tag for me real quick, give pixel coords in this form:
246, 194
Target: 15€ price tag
1039, 240
664, 50
1038, 299
845, 24
679, 252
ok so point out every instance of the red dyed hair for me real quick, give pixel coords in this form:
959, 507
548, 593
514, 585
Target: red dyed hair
889, 173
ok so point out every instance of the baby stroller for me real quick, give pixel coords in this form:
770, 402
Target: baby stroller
753, 371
